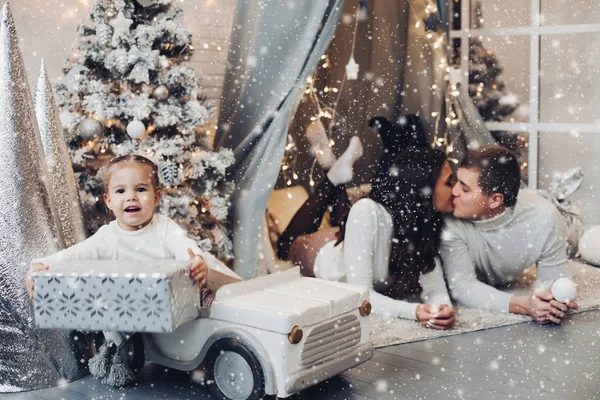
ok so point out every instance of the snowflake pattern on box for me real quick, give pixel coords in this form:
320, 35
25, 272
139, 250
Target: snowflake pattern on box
94, 296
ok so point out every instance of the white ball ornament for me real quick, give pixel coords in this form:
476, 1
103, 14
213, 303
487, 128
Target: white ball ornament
136, 129
89, 128
563, 290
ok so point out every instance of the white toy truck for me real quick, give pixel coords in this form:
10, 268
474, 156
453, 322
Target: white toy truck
274, 335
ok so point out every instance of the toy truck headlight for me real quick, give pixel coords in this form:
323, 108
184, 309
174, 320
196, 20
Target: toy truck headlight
295, 335
365, 308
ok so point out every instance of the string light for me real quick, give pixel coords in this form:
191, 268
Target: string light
324, 111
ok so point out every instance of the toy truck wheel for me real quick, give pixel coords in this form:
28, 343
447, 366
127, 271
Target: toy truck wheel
234, 372
132, 353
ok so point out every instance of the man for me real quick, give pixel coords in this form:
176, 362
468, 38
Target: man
496, 232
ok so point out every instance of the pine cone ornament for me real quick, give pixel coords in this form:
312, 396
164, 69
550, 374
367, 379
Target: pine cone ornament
122, 64
169, 173
104, 33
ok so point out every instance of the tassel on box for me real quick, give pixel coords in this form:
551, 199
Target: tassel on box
100, 364
120, 374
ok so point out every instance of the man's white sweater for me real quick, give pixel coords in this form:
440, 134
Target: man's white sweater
478, 255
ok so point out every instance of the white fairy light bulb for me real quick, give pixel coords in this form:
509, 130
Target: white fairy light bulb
564, 290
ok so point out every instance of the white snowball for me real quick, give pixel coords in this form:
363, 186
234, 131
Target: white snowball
563, 290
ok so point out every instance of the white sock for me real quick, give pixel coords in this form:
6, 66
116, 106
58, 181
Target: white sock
343, 169
317, 137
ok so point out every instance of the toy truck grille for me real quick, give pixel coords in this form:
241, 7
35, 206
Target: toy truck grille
326, 341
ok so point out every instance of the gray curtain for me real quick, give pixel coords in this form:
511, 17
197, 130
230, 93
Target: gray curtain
275, 46
444, 13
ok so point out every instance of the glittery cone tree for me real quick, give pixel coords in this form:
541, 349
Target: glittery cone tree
62, 181
29, 358
129, 89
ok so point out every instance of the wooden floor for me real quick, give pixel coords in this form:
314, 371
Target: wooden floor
523, 361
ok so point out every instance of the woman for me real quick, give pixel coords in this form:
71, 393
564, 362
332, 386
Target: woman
388, 242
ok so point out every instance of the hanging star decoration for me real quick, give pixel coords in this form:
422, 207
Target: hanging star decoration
432, 22
352, 69
120, 27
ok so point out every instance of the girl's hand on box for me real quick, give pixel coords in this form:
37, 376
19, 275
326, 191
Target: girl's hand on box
198, 268
29, 279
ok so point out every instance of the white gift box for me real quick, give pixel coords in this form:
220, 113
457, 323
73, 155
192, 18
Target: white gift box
127, 296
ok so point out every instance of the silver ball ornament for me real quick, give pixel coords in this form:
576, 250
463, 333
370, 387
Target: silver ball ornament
160, 93
136, 129
89, 128
74, 78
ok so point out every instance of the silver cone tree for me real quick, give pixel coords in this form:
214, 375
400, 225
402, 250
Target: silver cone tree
67, 208
29, 358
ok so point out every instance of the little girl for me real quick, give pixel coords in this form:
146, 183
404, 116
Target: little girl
131, 192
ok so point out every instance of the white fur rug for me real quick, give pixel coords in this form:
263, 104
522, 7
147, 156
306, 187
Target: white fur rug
387, 332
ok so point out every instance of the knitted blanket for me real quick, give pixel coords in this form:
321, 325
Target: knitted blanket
387, 332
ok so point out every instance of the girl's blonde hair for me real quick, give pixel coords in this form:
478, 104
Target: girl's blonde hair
115, 162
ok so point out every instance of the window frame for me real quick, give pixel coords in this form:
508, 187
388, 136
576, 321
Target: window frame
535, 31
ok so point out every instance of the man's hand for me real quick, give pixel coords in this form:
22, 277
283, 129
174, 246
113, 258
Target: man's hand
198, 268
29, 278
541, 306
435, 317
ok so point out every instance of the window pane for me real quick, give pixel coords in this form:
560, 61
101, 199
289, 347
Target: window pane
499, 77
455, 16
518, 143
569, 78
566, 12
500, 13
558, 152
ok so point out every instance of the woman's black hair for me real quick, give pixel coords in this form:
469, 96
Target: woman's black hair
406, 191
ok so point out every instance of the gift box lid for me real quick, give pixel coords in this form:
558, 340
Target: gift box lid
117, 268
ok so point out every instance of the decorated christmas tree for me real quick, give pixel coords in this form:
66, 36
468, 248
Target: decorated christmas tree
127, 90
